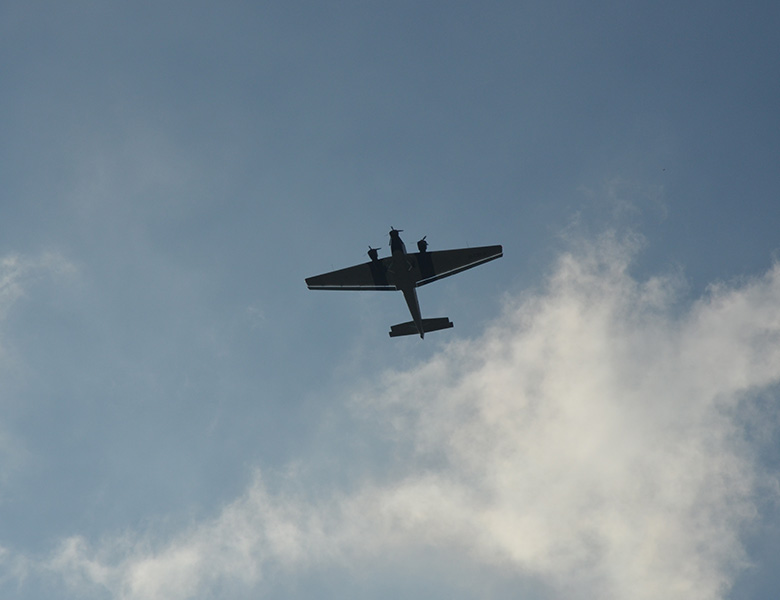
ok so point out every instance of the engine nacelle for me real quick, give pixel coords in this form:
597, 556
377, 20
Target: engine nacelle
422, 245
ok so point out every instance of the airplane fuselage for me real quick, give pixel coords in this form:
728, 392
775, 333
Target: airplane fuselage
403, 280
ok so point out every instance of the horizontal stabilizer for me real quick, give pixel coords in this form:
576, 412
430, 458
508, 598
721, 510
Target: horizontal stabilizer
409, 328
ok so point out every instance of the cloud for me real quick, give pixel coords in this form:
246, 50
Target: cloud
593, 438
18, 271
18, 275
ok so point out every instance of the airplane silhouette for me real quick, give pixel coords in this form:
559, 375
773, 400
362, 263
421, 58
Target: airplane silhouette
406, 272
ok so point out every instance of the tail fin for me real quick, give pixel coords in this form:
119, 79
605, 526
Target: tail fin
409, 328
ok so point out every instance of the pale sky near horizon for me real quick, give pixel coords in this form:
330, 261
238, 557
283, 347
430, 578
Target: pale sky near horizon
181, 418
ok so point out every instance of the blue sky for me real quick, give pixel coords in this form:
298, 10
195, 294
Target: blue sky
181, 418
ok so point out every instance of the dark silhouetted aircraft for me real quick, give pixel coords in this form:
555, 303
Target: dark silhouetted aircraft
406, 272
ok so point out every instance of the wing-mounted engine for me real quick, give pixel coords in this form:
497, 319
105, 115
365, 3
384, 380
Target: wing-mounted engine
422, 245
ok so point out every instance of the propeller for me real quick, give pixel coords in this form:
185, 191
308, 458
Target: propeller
422, 245
373, 253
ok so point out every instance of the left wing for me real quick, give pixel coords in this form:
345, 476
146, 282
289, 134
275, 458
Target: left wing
432, 266
366, 276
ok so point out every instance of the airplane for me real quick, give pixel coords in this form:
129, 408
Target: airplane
406, 272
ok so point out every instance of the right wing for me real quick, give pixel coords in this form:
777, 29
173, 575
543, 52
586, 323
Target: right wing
367, 276
432, 266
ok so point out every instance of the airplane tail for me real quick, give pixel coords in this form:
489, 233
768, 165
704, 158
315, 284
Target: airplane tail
409, 328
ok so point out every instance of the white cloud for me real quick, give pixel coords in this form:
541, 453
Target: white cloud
16, 272
19, 273
591, 438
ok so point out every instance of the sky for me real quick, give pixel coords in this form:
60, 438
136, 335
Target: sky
181, 418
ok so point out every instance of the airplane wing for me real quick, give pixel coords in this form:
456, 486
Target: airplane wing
367, 276
439, 264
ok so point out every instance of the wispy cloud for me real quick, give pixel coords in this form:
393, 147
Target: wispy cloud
18, 274
592, 438
18, 271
